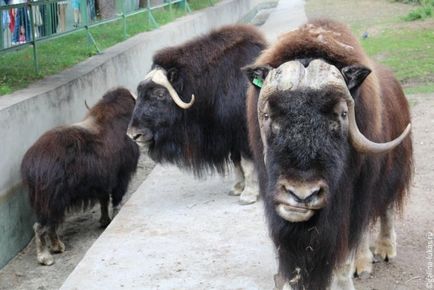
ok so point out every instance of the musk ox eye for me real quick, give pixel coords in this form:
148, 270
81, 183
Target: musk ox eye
158, 93
266, 116
344, 114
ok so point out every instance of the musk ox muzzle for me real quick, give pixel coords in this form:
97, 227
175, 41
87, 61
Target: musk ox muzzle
298, 201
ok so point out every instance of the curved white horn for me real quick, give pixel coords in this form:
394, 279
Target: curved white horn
159, 77
363, 144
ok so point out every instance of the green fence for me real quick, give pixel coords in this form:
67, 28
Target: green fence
25, 24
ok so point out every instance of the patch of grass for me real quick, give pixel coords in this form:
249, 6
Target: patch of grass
423, 89
419, 14
55, 55
405, 47
409, 52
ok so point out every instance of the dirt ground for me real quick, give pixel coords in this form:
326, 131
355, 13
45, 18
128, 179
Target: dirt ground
408, 271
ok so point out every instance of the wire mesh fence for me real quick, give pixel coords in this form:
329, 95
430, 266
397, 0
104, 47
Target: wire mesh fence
26, 22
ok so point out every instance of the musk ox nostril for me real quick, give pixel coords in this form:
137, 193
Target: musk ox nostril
305, 195
136, 136
316, 192
294, 195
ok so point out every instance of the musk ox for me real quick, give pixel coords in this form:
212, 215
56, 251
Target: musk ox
321, 116
76, 165
191, 110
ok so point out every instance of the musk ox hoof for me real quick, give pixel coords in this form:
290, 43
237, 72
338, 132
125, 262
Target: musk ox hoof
116, 210
104, 222
363, 263
248, 198
385, 248
58, 247
237, 189
45, 259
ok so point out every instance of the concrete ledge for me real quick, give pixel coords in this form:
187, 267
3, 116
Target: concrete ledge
187, 234
59, 99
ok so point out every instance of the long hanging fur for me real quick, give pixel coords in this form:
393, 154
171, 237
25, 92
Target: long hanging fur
203, 138
314, 248
76, 165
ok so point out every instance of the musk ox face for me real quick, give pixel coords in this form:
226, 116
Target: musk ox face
305, 132
308, 128
158, 107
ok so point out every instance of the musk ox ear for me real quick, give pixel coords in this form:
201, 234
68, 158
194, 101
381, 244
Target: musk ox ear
175, 79
355, 75
257, 74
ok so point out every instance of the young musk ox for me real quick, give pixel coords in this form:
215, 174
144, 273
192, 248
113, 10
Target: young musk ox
316, 103
74, 166
191, 106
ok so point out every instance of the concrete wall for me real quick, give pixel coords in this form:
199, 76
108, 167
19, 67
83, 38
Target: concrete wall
59, 99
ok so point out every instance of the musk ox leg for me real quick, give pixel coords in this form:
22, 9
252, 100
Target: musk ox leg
343, 275
104, 204
250, 193
280, 283
42, 253
56, 244
119, 192
239, 185
116, 210
385, 246
364, 256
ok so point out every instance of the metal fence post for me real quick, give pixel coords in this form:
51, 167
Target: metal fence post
124, 17
187, 6
49, 18
32, 30
1, 29
151, 19
84, 15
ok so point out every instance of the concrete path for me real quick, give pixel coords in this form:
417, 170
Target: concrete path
287, 15
177, 232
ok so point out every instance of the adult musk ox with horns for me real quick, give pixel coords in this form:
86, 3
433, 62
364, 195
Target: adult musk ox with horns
191, 106
330, 133
74, 166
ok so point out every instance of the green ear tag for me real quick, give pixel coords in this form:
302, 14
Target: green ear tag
258, 82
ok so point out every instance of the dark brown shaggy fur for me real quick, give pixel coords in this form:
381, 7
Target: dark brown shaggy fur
377, 182
74, 165
203, 137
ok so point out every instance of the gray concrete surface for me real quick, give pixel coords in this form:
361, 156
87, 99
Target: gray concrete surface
59, 99
177, 232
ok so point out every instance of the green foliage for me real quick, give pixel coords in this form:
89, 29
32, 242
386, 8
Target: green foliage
424, 11
419, 13
55, 55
